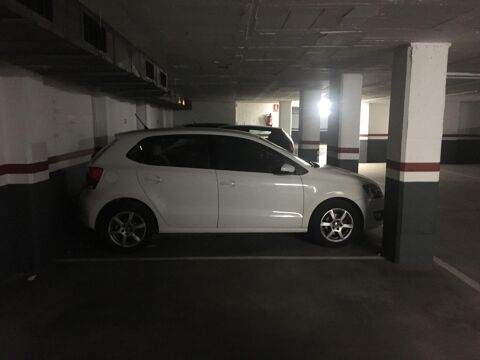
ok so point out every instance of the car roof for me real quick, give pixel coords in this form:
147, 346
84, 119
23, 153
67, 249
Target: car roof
138, 135
186, 130
209, 125
253, 127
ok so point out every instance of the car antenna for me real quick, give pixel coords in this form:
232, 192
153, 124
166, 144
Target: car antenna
141, 122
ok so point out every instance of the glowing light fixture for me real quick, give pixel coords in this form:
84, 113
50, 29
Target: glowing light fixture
324, 107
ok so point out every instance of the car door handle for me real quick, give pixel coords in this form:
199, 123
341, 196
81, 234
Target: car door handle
229, 183
155, 179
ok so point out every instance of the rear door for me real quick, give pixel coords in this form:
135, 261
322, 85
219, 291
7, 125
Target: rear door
252, 192
176, 176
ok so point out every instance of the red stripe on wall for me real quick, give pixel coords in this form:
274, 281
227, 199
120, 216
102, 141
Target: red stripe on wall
444, 135
24, 168
69, 156
344, 150
40, 166
461, 135
413, 167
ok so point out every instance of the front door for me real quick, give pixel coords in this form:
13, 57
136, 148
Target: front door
253, 195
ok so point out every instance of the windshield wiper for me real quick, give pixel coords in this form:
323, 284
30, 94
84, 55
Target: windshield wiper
314, 164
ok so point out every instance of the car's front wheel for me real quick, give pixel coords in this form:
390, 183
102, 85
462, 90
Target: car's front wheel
126, 225
336, 223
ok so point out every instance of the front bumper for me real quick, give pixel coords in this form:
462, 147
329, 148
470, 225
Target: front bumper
374, 213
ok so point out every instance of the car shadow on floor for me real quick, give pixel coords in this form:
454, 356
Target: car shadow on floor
85, 243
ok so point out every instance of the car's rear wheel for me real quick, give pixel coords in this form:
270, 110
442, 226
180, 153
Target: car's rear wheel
126, 225
336, 223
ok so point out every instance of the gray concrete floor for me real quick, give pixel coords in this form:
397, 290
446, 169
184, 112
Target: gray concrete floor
160, 304
458, 222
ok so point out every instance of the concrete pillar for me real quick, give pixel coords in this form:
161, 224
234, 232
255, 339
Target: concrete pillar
285, 117
309, 122
25, 219
100, 126
344, 122
413, 152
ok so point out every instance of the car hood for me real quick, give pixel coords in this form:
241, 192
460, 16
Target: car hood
334, 172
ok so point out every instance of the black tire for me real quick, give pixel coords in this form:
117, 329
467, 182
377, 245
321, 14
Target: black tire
139, 225
338, 233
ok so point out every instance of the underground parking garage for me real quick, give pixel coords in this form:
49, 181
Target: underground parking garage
235, 260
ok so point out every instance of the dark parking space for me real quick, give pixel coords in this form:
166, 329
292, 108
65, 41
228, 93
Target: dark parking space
457, 241
240, 309
459, 213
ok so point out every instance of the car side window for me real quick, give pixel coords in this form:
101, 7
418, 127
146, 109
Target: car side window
237, 154
190, 151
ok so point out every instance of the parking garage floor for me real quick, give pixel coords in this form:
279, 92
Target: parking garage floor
257, 296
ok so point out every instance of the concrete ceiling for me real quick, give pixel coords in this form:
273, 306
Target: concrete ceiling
261, 49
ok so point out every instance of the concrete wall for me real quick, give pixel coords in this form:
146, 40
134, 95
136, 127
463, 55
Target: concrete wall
374, 131
461, 133
206, 112
48, 132
253, 113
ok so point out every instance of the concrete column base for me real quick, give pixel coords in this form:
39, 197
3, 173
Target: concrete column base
410, 222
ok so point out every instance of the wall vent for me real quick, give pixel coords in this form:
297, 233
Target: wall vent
94, 33
163, 79
41, 7
149, 70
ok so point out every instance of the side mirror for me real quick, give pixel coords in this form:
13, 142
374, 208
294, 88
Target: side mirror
287, 169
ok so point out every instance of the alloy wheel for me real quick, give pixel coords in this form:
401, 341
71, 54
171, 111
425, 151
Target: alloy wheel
337, 225
127, 229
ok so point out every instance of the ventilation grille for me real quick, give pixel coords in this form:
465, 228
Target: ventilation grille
94, 33
41, 7
149, 70
163, 79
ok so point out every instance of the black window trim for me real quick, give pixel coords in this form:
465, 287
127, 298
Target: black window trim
213, 160
209, 149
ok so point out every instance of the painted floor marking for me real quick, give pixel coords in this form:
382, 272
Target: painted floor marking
215, 258
457, 273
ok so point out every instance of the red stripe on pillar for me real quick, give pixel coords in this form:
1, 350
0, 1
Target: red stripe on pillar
413, 167
310, 142
343, 150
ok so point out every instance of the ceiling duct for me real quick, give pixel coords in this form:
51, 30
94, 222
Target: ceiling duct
67, 40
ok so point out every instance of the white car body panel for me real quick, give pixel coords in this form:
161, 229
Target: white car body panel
189, 200
259, 200
184, 197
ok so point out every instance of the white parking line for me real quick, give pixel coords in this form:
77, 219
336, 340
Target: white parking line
215, 258
457, 273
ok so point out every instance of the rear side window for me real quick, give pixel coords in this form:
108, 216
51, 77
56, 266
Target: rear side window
189, 151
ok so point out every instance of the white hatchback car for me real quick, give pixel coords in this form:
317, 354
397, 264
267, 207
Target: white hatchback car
215, 180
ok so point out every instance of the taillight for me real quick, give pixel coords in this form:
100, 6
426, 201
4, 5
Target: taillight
93, 176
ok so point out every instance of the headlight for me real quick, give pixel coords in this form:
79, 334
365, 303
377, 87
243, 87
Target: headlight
373, 191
